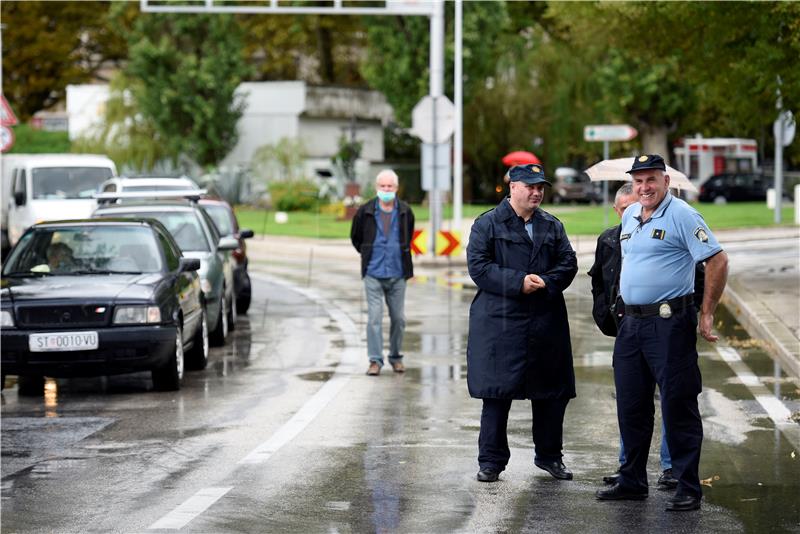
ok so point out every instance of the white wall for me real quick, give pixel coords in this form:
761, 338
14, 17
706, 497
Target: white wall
85, 107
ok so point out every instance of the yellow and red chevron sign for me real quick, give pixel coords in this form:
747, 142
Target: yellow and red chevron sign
448, 243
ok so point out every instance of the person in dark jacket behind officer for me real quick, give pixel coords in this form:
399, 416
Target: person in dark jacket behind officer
381, 232
662, 240
519, 345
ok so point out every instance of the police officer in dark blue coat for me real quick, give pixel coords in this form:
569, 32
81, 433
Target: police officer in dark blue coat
519, 345
662, 238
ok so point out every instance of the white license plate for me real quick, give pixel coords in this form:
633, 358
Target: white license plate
63, 342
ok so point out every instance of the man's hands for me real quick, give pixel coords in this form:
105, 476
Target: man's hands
531, 283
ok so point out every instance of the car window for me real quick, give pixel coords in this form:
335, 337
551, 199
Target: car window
70, 250
184, 226
221, 216
170, 252
67, 182
212, 228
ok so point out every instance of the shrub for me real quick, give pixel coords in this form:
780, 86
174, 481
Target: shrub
295, 195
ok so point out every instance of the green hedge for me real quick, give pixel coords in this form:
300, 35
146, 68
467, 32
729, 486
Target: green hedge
296, 195
32, 141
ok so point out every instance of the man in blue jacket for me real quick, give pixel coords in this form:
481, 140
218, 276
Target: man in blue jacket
519, 345
381, 232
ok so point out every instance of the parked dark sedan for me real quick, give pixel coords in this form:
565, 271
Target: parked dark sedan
101, 297
227, 224
730, 187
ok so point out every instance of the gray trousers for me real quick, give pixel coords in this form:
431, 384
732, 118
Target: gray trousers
393, 291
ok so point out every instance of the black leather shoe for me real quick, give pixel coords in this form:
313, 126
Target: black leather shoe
557, 469
488, 475
666, 481
683, 503
611, 479
618, 493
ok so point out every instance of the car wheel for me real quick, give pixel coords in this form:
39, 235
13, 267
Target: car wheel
220, 332
720, 200
244, 296
170, 376
31, 385
197, 357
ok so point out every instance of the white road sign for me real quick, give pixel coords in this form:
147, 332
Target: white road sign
422, 119
609, 132
6, 138
787, 124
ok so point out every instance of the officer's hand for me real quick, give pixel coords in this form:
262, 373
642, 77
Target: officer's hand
528, 285
706, 323
538, 281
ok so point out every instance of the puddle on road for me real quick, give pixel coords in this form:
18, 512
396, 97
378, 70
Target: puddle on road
316, 376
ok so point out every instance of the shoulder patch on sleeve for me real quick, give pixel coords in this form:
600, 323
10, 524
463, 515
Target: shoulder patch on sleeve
700, 234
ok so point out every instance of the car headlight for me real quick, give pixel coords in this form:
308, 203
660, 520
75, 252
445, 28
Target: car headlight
6, 319
205, 285
137, 315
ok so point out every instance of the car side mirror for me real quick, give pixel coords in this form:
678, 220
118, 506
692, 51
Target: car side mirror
246, 233
19, 198
227, 243
189, 264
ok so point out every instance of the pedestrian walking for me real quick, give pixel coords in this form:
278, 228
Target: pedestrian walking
381, 232
519, 345
662, 238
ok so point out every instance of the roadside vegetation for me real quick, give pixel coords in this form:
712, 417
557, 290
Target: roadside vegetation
578, 220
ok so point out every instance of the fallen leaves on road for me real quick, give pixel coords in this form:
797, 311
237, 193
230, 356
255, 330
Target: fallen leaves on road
708, 481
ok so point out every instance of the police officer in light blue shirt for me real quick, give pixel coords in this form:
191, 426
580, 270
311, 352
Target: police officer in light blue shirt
662, 239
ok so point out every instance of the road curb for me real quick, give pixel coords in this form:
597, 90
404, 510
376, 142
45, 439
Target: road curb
760, 322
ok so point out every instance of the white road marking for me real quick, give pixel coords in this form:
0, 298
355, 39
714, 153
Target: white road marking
204, 498
190, 508
776, 410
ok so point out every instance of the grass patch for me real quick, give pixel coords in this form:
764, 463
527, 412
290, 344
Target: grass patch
28, 140
578, 220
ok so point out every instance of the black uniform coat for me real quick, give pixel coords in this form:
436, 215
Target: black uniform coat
519, 345
365, 226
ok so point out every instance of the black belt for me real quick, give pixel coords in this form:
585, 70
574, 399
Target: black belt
665, 308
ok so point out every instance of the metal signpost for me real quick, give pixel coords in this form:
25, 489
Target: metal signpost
607, 133
783, 128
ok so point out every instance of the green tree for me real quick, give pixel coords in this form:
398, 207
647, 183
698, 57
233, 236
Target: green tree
125, 135
48, 45
188, 68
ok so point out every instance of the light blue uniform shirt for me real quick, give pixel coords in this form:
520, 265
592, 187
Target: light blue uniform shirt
659, 256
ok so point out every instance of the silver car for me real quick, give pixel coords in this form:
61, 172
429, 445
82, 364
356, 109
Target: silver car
197, 237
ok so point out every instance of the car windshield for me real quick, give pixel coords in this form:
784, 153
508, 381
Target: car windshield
185, 227
221, 217
52, 183
85, 249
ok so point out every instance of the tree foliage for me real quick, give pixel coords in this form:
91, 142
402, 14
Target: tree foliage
48, 45
188, 68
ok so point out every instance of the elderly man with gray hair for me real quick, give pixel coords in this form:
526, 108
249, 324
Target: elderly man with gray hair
381, 232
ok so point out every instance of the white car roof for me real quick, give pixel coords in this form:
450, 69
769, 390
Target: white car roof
156, 181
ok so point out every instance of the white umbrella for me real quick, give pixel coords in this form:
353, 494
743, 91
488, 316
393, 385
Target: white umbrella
615, 169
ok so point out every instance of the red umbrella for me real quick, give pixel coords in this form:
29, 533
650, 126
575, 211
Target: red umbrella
520, 157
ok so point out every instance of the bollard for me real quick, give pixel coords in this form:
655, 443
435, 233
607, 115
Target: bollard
797, 204
771, 198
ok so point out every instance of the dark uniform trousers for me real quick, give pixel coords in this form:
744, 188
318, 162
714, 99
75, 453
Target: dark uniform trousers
650, 351
548, 420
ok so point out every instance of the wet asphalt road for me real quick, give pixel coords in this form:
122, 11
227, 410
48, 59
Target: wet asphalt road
284, 433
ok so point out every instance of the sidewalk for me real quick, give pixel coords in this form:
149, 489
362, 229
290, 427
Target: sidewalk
765, 300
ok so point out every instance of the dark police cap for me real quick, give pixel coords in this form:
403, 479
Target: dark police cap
647, 161
532, 173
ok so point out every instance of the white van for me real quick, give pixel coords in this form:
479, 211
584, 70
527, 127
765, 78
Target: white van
49, 187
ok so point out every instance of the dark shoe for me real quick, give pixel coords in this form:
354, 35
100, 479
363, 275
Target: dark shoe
557, 469
374, 369
683, 503
488, 474
618, 493
666, 481
398, 367
611, 479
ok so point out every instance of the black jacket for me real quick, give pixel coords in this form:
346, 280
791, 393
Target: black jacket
605, 281
519, 345
364, 229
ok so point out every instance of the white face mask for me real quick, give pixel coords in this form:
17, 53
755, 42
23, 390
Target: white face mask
386, 196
